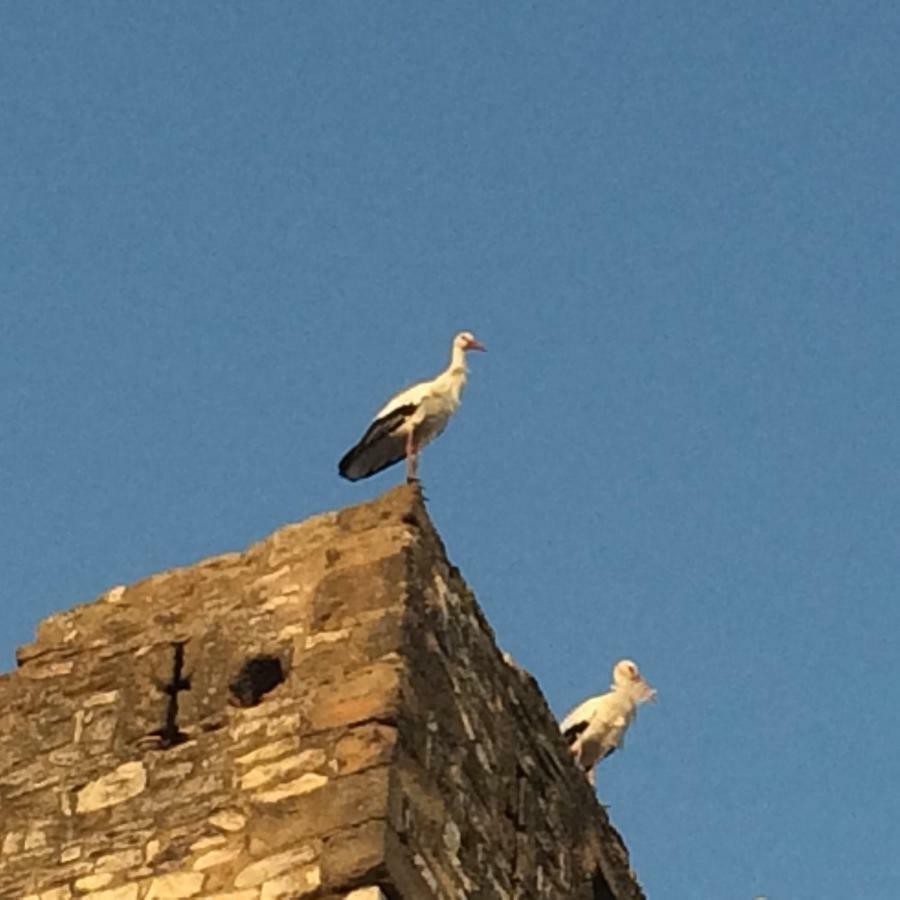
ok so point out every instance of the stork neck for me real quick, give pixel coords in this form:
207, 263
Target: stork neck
457, 367
453, 378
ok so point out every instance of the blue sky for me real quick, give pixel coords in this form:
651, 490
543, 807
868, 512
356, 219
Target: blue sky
232, 230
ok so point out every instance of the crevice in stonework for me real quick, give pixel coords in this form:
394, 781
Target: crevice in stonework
170, 735
520, 819
257, 677
600, 889
406, 820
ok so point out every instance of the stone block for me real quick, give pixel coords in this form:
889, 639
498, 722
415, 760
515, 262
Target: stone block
93, 882
123, 892
175, 885
228, 820
124, 782
272, 866
292, 884
214, 858
267, 773
366, 893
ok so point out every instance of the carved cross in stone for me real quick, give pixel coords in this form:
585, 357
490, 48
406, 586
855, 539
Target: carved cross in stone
170, 734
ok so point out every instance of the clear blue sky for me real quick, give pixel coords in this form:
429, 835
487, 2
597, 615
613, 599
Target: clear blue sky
231, 230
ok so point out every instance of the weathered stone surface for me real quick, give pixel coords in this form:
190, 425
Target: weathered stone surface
366, 893
252, 894
293, 884
119, 861
325, 714
93, 882
205, 843
216, 858
175, 885
353, 853
228, 820
62, 893
125, 892
305, 784
124, 782
272, 866
368, 745
276, 771
13, 842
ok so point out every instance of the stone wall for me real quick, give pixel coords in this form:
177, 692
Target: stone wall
325, 715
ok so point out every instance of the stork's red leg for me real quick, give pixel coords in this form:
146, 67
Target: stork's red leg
411, 460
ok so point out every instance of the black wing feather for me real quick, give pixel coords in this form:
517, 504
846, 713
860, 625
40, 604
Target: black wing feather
572, 732
379, 447
386, 424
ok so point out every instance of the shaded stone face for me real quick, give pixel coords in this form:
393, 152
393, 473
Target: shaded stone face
323, 715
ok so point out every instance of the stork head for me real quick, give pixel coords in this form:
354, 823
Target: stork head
627, 677
465, 340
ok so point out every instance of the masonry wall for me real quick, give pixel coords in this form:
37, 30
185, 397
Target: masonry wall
324, 715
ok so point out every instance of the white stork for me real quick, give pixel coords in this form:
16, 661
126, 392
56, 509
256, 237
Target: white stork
410, 419
596, 727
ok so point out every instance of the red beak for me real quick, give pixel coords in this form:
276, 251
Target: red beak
476, 345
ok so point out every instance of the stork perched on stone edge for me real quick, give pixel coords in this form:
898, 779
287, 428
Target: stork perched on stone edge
596, 728
411, 419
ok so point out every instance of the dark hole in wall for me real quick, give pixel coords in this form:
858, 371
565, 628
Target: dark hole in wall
257, 677
600, 888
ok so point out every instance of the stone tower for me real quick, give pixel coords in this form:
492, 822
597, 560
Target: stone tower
324, 715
